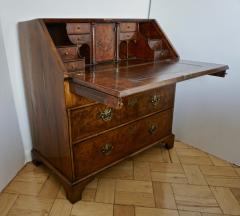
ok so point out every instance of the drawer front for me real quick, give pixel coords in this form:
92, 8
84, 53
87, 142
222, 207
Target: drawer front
80, 39
68, 53
78, 28
128, 27
100, 151
93, 119
75, 65
128, 36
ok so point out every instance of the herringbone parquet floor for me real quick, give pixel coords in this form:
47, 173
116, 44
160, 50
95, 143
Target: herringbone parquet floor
183, 181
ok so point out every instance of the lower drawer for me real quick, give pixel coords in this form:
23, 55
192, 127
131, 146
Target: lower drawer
100, 151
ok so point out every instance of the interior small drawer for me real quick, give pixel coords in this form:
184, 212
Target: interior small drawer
78, 28
80, 39
128, 27
72, 66
113, 145
127, 36
68, 53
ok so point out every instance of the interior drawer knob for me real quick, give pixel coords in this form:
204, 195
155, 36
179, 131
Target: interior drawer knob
106, 115
152, 129
107, 149
156, 99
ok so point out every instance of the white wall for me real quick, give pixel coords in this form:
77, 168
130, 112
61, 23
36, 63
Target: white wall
207, 112
16, 11
11, 148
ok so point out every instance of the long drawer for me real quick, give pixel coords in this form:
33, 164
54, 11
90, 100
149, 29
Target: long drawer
93, 119
100, 151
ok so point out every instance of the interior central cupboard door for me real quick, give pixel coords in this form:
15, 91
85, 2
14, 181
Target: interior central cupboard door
104, 42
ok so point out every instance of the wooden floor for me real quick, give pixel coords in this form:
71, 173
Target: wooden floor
183, 181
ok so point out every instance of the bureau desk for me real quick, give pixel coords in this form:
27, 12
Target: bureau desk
99, 91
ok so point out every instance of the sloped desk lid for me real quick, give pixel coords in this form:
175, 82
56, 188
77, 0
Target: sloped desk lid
109, 83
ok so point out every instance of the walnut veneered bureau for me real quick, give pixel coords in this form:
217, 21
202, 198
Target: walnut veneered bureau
99, 91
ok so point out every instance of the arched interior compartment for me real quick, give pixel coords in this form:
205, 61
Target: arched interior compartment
84, 52
123, 50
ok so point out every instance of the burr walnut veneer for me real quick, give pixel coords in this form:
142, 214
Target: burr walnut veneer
99, 91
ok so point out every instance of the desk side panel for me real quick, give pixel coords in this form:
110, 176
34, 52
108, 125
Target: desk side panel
44, 87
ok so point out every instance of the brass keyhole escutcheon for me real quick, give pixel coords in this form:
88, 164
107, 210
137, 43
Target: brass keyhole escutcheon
107, 149
156, 99
152, 129
106, 115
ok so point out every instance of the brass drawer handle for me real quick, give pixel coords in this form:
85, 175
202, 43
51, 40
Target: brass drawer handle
152, 129
106, 115
107, 149
156, 99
